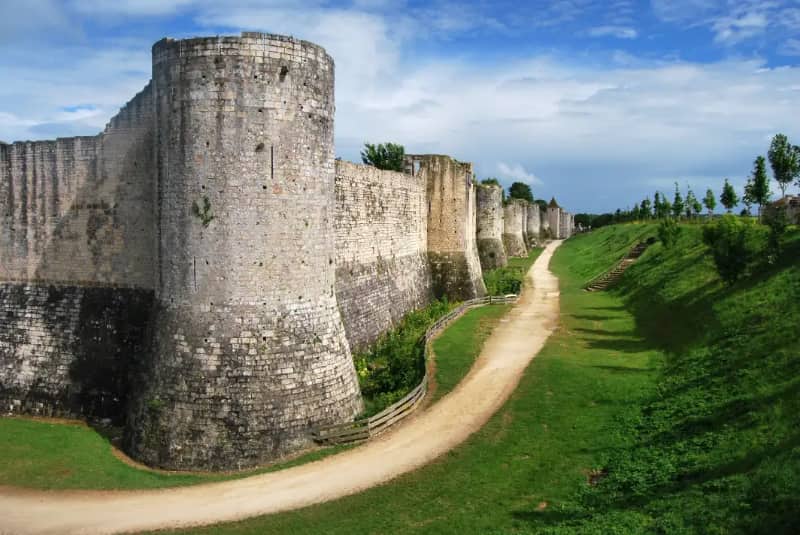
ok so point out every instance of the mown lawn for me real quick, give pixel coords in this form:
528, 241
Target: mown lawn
528, 468
457, 347
44, 455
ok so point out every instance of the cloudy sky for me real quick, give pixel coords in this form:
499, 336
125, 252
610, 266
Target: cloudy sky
598, 102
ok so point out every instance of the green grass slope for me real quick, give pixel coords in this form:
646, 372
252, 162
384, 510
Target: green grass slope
717, 448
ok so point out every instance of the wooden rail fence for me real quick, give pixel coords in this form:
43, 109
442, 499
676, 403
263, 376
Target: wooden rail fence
366, 428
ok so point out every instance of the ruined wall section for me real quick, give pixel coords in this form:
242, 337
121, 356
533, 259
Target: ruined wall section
452, 244
249, 350
534, 225
381, 227
514, 217
489, 201
76, 265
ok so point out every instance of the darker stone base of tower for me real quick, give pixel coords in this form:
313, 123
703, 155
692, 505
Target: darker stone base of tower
492, 254
235, 386
453, 276
514, 244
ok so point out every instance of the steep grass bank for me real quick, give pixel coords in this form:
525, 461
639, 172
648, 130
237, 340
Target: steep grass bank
717, 448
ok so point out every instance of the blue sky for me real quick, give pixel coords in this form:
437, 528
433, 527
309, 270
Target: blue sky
598, 103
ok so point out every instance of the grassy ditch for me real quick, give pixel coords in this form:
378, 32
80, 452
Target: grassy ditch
528, 467
668, 405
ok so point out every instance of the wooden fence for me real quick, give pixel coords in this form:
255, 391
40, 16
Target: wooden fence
365, 428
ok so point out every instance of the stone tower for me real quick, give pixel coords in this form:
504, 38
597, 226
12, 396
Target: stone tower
452, 248
534, 225
248, 346
513, 237
490, 226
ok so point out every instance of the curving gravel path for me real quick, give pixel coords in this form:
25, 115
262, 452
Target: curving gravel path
423, 438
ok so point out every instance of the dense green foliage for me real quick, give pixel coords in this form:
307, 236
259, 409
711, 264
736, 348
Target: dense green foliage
389, 156
520, 190
736, 245
508, 280
668, 232
395, 364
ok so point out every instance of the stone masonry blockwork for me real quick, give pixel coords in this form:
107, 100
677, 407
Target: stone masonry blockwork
452, 244
381, 229
489, 200
513, 238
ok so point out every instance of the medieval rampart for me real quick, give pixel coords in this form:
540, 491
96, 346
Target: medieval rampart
381, 227
201, 269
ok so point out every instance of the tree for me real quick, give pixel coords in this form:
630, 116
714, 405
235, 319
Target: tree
693, 207
760, 192
747, 198
785, 161
735, 245
389, 156
710, 202
677, 203
645, 209
661, 206
520, 190
729, 199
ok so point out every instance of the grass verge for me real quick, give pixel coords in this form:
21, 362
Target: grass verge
460, 344
65, 455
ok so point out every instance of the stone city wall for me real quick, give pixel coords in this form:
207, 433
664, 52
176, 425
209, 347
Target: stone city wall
489, 199
381, 252
76, 266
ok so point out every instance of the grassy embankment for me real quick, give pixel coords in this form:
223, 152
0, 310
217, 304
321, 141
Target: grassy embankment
676, 395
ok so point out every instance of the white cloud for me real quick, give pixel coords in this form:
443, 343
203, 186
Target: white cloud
731, 30
620, 32
790, 48
517, 173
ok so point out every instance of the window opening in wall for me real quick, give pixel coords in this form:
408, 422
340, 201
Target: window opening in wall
272, 161
284, 72
260, 147
194, 261
416, 165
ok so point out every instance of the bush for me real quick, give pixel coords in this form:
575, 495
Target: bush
777, 221
503, 281
735, 244
668, 232
395, 364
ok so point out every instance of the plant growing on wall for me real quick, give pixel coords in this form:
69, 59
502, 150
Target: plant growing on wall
203, 212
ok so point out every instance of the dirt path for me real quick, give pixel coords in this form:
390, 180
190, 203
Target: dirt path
506, 354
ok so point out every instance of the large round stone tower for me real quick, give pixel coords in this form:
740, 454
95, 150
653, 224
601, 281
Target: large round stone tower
249, 350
